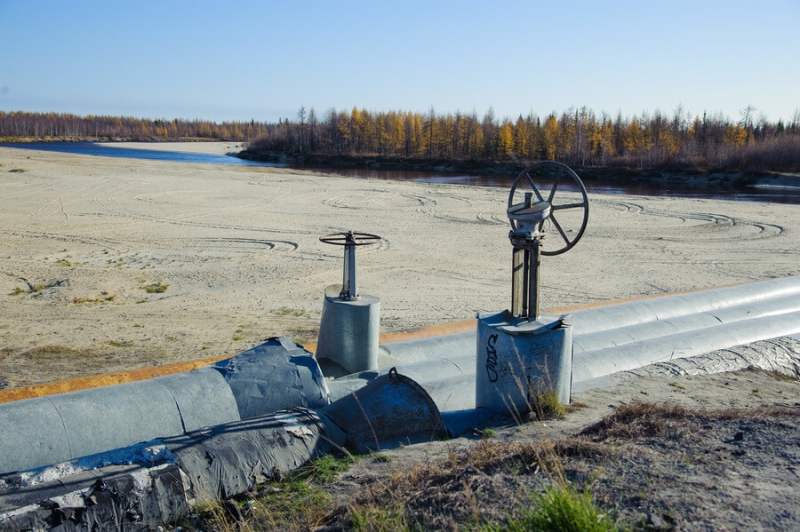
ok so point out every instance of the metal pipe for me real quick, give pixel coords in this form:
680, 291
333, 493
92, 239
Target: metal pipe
421, 372
624, 314
266, 378
349, 285
692, 322
214, 463
633, 355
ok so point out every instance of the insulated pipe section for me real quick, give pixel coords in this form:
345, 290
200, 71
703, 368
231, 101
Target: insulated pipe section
216, 463
274, 375
625, 314
392, 408
692, 322
421, 372
145, 486
46, 430
633, 355
230, 459
449, 345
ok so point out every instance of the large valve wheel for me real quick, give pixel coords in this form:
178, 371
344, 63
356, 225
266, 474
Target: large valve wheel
559, 195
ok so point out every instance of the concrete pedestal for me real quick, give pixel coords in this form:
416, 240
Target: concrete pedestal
518, 359
349, 331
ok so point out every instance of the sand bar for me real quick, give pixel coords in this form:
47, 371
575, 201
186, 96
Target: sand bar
82, 238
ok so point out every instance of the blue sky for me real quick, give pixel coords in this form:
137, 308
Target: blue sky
263, 60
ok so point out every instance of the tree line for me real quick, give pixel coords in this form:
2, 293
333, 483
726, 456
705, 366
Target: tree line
577, 137
23, 126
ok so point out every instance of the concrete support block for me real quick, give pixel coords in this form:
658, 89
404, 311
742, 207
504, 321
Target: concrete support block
518, 360
349, 331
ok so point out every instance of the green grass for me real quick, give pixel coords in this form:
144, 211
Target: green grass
289, 311
155, 288
545, 405
562, 509
297, 502
373, 519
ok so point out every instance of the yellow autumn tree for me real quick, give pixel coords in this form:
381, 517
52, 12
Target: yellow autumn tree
505, 139
633, 138
735, 135
550, 140
521, 138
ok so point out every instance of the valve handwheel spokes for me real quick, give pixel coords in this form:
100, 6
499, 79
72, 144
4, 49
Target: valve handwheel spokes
553, 185
350, 238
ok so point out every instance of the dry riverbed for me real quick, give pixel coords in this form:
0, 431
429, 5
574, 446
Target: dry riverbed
111, 264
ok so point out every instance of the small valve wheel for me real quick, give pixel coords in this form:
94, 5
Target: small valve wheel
350, 240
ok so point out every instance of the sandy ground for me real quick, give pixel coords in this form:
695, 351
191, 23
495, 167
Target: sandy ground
236, 252
82, 238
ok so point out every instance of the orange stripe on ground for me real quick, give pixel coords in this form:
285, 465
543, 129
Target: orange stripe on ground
83, 383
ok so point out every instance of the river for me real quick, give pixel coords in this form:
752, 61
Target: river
787, 195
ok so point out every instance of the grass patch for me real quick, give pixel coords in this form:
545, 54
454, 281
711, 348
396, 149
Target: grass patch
370, 518
105, 298
124, 343
35, 289
290, 311
298, 502
304, 335
474, 491
545, 405
155, 288
52, 352
678, 386
562, 508
639, 419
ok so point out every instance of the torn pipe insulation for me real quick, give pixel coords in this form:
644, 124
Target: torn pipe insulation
201, 466
160, 480
47, 430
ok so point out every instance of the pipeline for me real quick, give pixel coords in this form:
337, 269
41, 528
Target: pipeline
160, 480
611, 339
280, 374
277, 374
